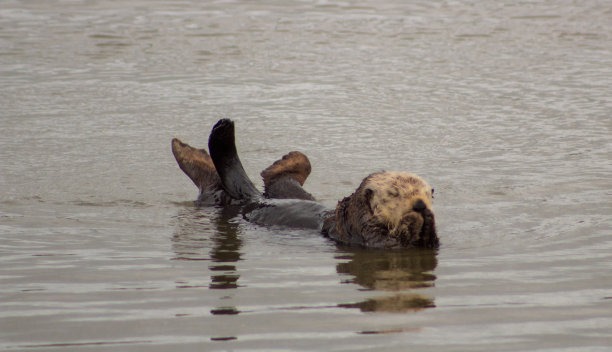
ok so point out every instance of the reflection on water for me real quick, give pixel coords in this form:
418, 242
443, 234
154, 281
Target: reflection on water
225, 311
398, 303
226, 248
395, 271
208, 234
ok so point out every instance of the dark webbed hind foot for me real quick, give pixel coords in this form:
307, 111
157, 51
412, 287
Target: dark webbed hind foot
222, 146
285, 177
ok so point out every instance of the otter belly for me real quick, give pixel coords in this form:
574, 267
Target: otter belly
287, 212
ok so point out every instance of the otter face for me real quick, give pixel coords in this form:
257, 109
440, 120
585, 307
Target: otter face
388, 210
397, 199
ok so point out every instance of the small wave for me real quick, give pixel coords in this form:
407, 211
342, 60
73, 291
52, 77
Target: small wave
113, 203
95, 343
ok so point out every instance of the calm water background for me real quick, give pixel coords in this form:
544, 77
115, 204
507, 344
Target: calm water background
505, 107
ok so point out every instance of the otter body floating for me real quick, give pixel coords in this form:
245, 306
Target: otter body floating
388, 209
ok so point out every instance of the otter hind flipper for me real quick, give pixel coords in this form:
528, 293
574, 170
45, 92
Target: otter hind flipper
293, 164
222, 146
285, 177
196, 164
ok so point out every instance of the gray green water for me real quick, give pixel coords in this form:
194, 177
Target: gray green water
504, 107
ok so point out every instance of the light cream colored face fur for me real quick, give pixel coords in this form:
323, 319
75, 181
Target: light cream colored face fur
393, 197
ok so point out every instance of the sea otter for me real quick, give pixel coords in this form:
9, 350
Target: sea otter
388, 209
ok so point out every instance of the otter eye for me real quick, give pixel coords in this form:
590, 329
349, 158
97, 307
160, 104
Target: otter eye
432, 193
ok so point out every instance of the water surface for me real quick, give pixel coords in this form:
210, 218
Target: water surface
504, 107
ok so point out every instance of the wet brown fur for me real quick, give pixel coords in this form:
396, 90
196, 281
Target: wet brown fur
381, 213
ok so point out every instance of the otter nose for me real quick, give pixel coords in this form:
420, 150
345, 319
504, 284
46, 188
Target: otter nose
419, 206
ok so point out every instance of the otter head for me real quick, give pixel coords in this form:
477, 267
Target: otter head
388, 210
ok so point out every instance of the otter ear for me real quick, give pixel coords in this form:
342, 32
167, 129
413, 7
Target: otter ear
368, 194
